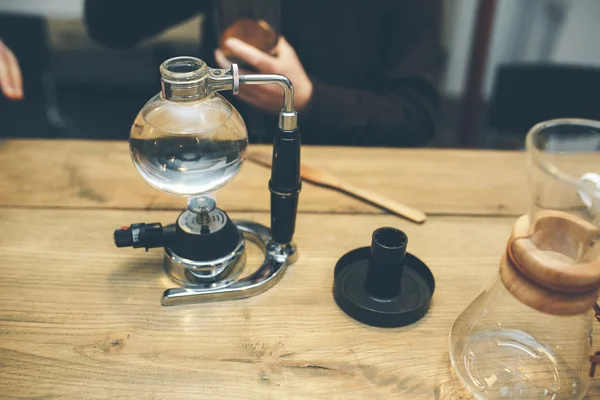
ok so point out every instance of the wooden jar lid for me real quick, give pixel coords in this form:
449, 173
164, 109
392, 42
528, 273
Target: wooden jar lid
548, 251
542, 266
542, 298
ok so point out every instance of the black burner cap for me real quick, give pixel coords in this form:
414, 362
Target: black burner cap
383, 285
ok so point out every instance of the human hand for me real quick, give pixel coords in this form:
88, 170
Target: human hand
11, 82
269, 97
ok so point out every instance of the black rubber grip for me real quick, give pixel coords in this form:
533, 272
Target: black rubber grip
285, 185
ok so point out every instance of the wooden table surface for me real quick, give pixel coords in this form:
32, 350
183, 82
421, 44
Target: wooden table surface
80, 318
87, 174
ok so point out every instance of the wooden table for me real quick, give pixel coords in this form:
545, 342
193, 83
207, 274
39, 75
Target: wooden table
82, 319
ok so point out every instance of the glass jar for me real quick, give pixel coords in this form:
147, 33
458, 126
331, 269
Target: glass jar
528, 335
256, 22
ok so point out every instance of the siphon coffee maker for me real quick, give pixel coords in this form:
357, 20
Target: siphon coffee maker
529, 334
190, 141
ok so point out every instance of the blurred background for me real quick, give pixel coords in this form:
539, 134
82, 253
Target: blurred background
508, 64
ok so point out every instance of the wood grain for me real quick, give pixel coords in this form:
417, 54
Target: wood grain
95, 174
81, 318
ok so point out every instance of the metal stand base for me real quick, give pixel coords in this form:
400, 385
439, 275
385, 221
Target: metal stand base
216, 280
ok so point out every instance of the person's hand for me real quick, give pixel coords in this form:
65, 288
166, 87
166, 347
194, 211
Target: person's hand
11, 82
269, 97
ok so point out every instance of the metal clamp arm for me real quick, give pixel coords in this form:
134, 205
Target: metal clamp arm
288, 117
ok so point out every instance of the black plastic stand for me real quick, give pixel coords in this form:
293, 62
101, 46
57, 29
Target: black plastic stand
383, 285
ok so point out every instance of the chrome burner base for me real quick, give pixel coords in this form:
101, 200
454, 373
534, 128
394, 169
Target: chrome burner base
216, 280
197, 273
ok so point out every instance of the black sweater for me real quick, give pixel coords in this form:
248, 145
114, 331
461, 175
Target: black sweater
374, 64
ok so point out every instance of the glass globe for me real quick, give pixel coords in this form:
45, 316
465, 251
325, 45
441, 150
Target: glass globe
184, 141
503, 349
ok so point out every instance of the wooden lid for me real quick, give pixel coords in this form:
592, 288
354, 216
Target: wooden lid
549, 249
542, 298
545, 263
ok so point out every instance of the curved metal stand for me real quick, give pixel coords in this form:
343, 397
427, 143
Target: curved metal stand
277, 258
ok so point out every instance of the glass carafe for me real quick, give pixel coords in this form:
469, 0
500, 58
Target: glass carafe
528, 335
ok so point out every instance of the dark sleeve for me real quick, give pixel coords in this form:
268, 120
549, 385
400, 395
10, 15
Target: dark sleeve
400, 107
124, 23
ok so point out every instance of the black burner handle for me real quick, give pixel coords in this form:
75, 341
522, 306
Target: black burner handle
141, 235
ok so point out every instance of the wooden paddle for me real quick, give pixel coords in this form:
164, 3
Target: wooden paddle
325, 179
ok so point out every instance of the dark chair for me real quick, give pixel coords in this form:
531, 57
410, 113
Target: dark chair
37, 115
525, 94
